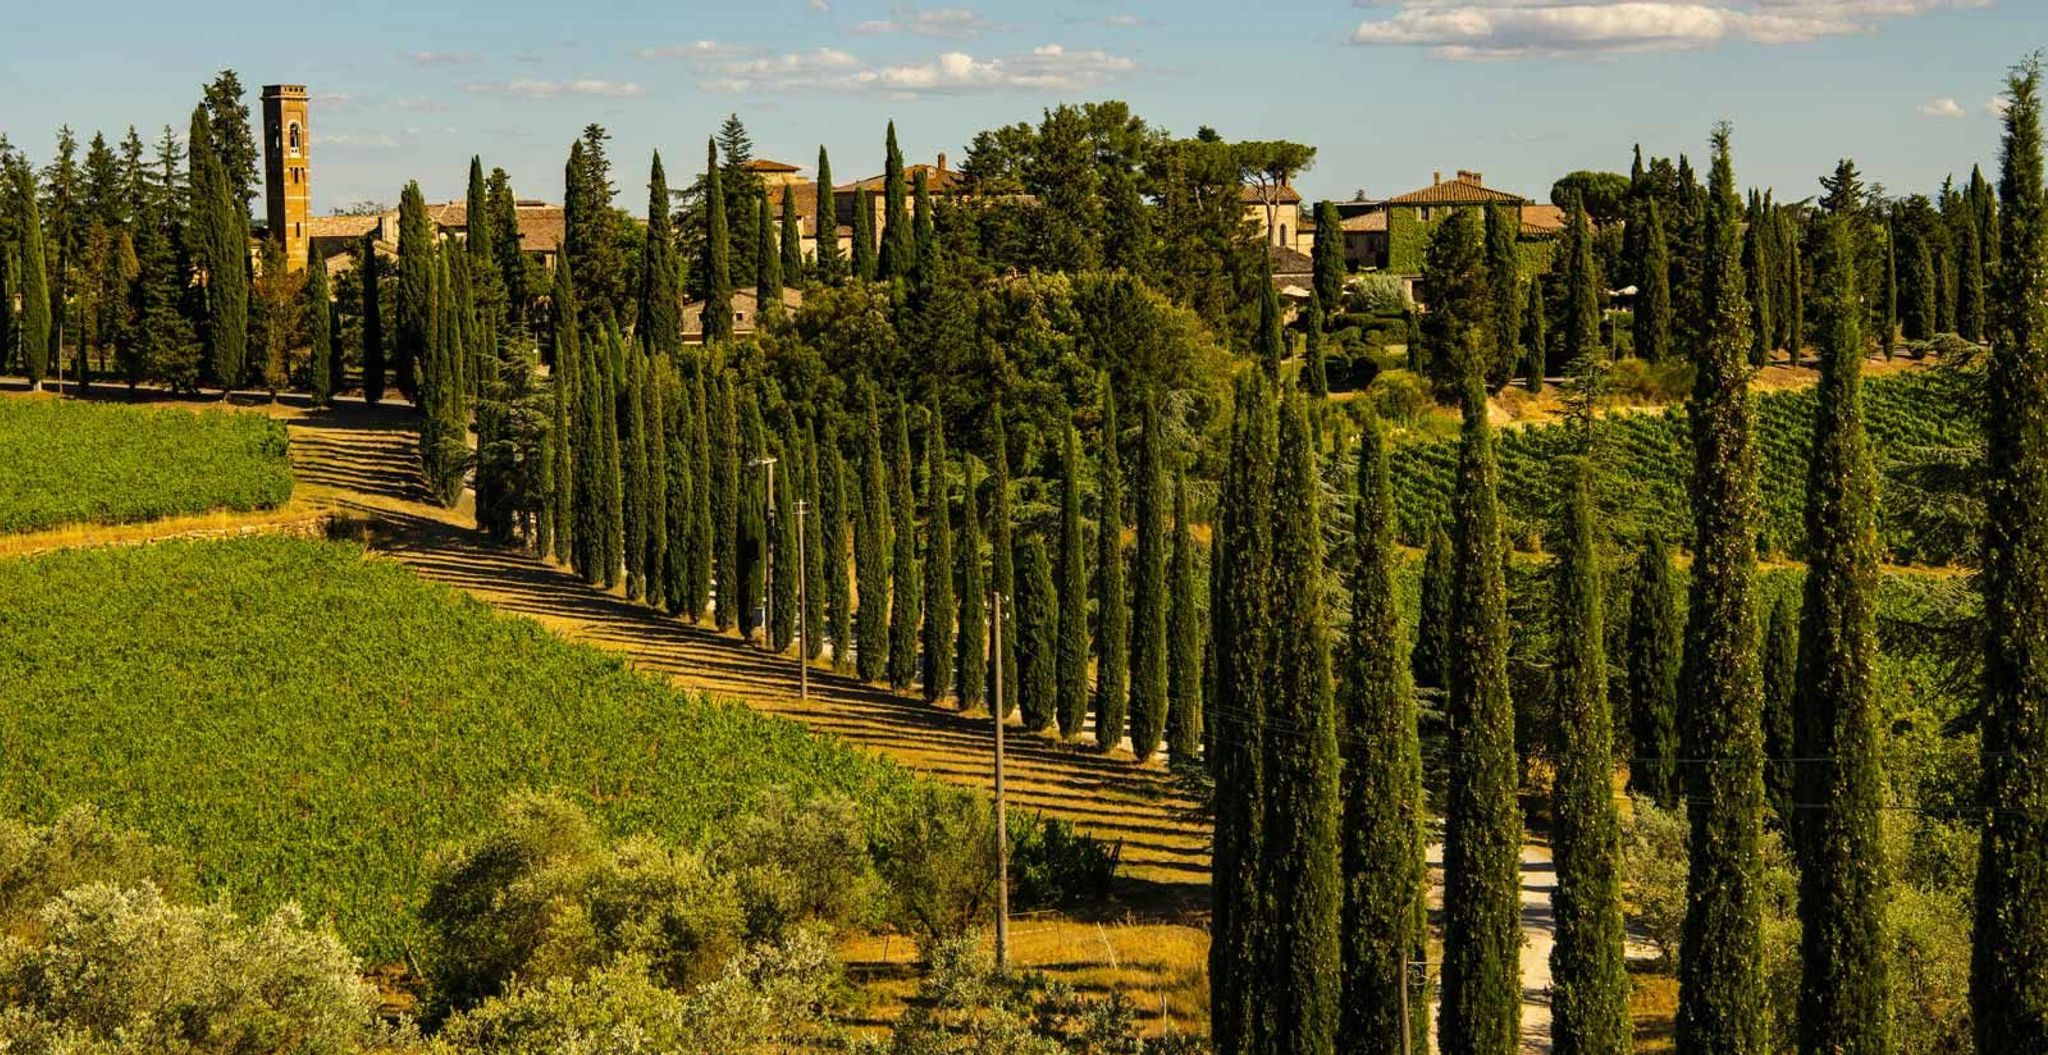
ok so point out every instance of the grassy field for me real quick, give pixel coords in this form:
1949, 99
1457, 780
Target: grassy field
69, 461
309, 723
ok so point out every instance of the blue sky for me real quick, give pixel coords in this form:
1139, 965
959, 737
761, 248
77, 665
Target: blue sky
1388, 90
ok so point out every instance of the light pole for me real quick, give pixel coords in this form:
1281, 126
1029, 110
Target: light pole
767, 461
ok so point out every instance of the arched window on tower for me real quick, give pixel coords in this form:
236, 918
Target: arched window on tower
293, 140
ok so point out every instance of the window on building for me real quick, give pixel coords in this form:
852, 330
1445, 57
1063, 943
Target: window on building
293, 138
1283, 235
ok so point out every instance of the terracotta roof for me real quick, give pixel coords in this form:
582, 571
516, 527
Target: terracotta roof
540, 226
1284, 194
1542, 219
1371, 221
340, 226
806, 206
765, 165
936, 180
1290, 261
1454, 192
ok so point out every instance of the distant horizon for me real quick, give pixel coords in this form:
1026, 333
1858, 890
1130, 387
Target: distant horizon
1389, 91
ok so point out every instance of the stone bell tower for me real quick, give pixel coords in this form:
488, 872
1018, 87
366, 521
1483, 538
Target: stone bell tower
287, 195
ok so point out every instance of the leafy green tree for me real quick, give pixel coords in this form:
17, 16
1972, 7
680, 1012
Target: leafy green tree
1112, 604
1721, 990
871, 549
782, 595
322, 360
767, 270
1654, 650
839, 496
415, 289
1072, 708
1328, 255
863, 236
1481, 1009
1302, 856
1535, 336
1589, 983
1315, 373
2010, 954
220, 240
1781, 672
826, 262
938, 562
1432, 664
1845, 985
654, 368
725, 500
1242, 638
679, 458
1002, 566
973, 640
611, 469
717, 252
1149, 654
1582, 286
1184, 639
1970, 282
1455, 329
1653, 291
1759, 265
907, 592
705, 545
660, 326
1889, 338
631, 422
1504, 280
1385, 862
792, 233
1038, 609
813, 548
33, 329
373, 320
899, 245
566, 427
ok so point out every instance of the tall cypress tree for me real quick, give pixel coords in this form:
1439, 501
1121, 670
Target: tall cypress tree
1780, 674
767, 268
1653, 298
1655, 644
1112, 605
1582, 289
1970, 282
906, 609
1385, 863
814, 548
1149, 596
2009, 1006
1432, 664
926, 225
679, 455
1002, 567
754, 540
838, 542
221, 223
973, 639
717, 252
863, 235
825, 259
321, 360
792, 234
782, 594
1589, 985
33, 330
632, 427
1072, 709
938, 563
704, 536
1301, 836
1315, 374
1504, 279
1241, 640
414, 335
1268, 343
586, 447
725, 501
1845, 983
1758, 266
1535, 336
1184, 639
1720, 997
611, 470
871, 548
1889, 338
373, 320
563, 431
899, 247
655, 371
1327, 255
660, 326
1482, 992
1038, 627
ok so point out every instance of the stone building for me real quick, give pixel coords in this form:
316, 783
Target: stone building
287, 164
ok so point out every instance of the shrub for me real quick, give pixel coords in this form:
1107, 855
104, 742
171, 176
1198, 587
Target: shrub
1399, 396
801, 862
937, 854
1053, 864
80, 847
1379, 294
1653, 854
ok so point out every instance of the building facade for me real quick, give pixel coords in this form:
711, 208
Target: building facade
287, 169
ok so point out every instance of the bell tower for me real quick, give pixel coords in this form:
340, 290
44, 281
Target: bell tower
288, 196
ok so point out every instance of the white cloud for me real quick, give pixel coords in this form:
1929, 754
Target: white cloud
536, 89
1502, 29
1049, 68
333, 100
444, 58
1942, 107
420, 104
820, 6
698, 50
356, 141
945, 23
1125, 21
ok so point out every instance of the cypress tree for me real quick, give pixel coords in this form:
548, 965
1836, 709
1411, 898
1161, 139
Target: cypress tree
414, 336
1845, 984
221, 223
632, 427
1589, 984
1184, 639
655, 371
611, 470
1795, 303
768, 268
814, 549
1889, 339
1241, 640
373, 321
725, 502
792, 233
1780, 674
973, 640
754, 512
586, 445
1315, 375
563, 429
2008, 1004
938, 563
1653, 298
679, 456
1301, 844
1385, 861
1482, 992
1038, 628
906, 609
33, 330
838, 542
926, 225
1149, 596
1654, 648
1327, 256
899, 247
1002, 566
1582, 289
322, 362
717, 253
1720, 997
1072, 708
1919, 310
660, 326
7, 324
863, 236
1112, 606
1970, 283
1504, 278
1269, 344
871, 550
825, 261
1757, 266
1432, 664
704, 537
1535, 336
788, 572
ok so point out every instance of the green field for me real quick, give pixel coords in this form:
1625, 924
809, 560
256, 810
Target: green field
68, 462
309, 723
1649, 461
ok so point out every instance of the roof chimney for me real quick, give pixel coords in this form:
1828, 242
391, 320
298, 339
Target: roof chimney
1435, 178
942, 161
1469, 176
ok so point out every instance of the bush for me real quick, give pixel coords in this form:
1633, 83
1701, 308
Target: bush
1636, 381
1653, 856
1399, 396
937, 854
1378, 294
1053, 864
801, 863
39, 863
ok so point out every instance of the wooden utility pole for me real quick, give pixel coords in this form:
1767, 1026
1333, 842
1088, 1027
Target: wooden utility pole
803, 609
1002, 812
766, 461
